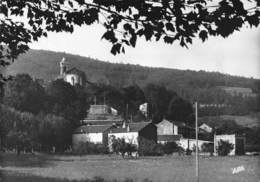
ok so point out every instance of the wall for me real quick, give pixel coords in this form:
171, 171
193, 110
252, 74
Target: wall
86, 137
77, 79
192, 143
149, 132
130, 137
175, 130
165, 128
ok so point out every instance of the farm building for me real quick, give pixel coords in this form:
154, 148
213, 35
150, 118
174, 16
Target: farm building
132, 132
167, 131
237, 140
97, 134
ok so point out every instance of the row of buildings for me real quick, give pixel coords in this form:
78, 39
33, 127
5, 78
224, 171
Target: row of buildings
103, 122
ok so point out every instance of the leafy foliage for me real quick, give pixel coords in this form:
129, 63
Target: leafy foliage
171, 147
24, 94
224, 147
90, 148
149, 148
120, 146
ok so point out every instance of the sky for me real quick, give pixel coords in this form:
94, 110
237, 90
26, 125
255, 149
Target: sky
236, 55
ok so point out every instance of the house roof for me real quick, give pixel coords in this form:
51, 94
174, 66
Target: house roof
177, 123
134, 127
76, 71
91, 129
168, 138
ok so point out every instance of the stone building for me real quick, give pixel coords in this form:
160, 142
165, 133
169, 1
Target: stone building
73, 75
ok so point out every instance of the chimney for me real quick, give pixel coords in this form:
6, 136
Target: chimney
63, 66
128, 128
124, 125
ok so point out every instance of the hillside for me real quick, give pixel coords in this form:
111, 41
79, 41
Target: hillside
251, 121
45, 65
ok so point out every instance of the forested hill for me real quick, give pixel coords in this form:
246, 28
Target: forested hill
45, 65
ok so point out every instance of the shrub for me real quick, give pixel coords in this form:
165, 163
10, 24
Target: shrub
170, 147
207, 147
224, 148
120, 146
150, 148
91, 148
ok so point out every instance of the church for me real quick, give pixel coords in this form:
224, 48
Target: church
73, 75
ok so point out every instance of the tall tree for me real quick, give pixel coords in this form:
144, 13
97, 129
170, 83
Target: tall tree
65, 100
133, 97
24, 94
158, 98
180, 110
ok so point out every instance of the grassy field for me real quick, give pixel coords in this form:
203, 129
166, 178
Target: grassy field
43, 168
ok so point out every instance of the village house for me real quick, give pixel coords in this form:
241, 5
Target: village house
238, 142
133, 132
204, 128
94, 127
97, 134
167, 131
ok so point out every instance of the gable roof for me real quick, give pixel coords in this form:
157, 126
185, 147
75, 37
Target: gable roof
76, 71
164, 121
134, 127
91, 129
177, 123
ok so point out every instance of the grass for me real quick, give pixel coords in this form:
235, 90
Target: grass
168, 168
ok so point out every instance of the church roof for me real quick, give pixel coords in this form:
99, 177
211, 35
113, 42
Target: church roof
75, 71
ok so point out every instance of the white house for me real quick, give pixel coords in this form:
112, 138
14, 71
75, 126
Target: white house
93, 133
205, 128
238, 142
167, 131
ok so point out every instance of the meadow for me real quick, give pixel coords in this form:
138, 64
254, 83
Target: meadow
174, 168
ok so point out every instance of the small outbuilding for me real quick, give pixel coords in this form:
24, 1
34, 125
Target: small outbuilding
97, 134
238, 142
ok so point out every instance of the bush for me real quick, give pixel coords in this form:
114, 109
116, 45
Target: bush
149, 148
170, 147
120, 146
224, 148
91, 148
207, 147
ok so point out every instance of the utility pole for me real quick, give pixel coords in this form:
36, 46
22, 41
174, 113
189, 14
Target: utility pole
197, 147
127, 112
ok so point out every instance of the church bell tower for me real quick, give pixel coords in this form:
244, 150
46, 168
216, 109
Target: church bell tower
63, 66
